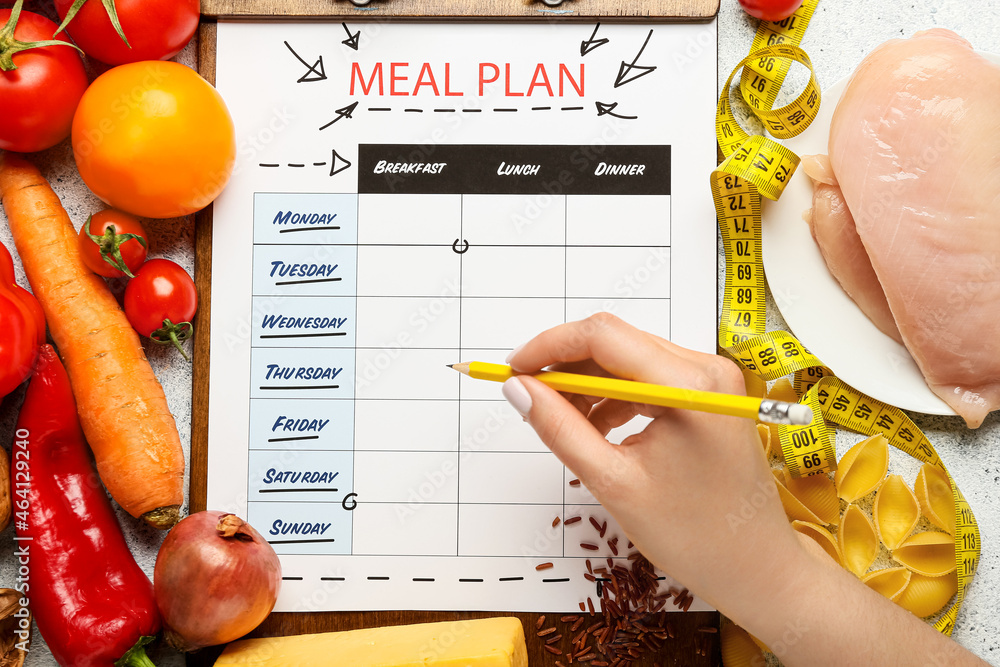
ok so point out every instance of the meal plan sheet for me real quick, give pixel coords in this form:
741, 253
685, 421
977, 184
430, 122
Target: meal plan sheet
412, 195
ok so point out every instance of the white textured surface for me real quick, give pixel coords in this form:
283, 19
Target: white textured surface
839, 36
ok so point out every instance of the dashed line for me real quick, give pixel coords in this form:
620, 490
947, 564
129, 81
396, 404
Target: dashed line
432, 579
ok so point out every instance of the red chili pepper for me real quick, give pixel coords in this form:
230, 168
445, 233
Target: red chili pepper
19, 338
93, 605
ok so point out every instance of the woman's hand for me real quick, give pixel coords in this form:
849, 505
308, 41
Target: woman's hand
693, 491
695, 494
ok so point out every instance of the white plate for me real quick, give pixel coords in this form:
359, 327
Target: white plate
816, 309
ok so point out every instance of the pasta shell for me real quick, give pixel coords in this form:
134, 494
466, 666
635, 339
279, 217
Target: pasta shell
931, 554
862, 468
858, 541
739, 649
765, 438
821, 536
934, 495
896, 511
794, 509
781, 390
761, 645
818, 494
925, 596
755, 384
891, 582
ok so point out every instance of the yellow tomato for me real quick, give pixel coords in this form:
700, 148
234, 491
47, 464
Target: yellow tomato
154, 139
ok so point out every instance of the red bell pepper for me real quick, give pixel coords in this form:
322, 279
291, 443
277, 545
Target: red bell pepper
24, 296
93, 604
21, 320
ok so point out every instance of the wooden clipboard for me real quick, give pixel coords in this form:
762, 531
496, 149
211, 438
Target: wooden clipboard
695, 644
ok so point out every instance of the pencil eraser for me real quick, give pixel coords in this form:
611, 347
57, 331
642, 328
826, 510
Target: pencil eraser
800, 414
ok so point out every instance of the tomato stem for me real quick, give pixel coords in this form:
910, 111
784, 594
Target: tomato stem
136, 656
110, 244
173, 334
10, 46
109, 7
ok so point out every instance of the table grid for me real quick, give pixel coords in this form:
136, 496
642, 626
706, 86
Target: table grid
418, 305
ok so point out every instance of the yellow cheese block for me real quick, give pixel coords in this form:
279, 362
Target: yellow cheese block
486, 642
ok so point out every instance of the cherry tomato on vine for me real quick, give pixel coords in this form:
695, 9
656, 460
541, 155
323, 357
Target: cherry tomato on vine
41, 82
770, 10
170, 149
127, 31
113, 244
161, 301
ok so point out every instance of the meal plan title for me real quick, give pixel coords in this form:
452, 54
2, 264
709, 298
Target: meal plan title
516, 80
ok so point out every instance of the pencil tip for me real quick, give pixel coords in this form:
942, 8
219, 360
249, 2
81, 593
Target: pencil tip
450, 365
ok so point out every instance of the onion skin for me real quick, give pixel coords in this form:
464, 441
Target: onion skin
215, 580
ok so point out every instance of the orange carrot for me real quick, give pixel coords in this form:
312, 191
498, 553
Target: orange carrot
122, 407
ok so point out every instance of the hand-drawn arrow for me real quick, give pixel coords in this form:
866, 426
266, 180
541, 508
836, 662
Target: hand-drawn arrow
608, 109
342, 112
336, 168
352, 39
589, 45
316, 71
626, 68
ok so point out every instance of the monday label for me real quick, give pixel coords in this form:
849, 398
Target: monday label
308, 218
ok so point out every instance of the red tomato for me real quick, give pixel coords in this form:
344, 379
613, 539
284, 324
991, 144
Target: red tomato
161, 301
769, 10
40, 87
110, 240
155, 29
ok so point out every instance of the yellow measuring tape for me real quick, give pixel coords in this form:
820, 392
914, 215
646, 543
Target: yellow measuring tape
756, 166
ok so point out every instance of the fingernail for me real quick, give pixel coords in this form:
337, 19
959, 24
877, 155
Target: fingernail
517, 395
512, 353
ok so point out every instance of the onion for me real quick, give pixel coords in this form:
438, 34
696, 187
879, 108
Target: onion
215, 580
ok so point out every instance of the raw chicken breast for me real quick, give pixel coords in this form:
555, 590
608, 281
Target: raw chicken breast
833, 230
915, 146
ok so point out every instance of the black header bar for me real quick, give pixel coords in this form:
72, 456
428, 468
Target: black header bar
513, 169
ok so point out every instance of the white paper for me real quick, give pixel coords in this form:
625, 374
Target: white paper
554, 184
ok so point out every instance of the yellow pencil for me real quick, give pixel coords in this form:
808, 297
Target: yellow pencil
773, 412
